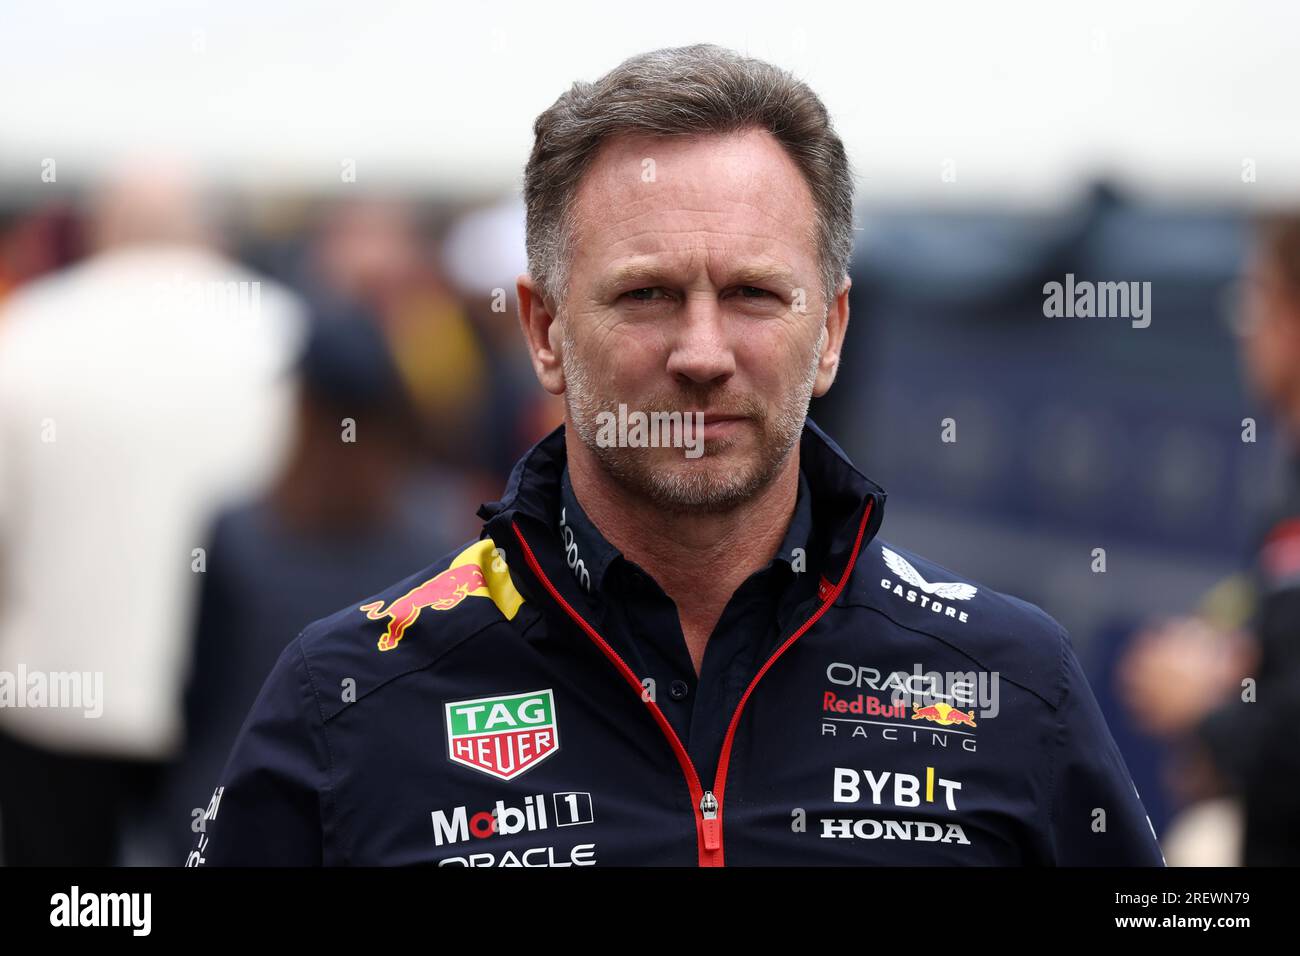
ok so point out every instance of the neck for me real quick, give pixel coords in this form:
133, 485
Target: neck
720, 550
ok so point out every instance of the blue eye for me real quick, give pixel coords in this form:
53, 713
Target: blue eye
754, 288
634, 294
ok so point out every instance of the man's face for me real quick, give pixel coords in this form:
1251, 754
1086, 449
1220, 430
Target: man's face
695, 286
1271, 329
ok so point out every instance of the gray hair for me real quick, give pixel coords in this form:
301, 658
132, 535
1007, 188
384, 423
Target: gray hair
692, 90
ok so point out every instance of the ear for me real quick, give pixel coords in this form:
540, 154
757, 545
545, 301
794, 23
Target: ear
837, 324
541, 333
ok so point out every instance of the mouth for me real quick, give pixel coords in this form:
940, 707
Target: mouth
721, 424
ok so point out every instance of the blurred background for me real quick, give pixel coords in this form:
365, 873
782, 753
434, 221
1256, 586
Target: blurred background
327, 196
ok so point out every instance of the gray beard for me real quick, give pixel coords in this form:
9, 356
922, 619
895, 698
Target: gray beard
694, 491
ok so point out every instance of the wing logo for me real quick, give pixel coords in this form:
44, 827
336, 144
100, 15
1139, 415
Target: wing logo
948, 590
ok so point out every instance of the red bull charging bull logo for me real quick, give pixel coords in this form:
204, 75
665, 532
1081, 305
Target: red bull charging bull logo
478, 571
944, 715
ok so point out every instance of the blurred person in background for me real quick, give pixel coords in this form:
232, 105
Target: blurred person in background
368, 253
449, 316
346, 516
139, 390
363, 252
482, 254
38, 241
1184, 678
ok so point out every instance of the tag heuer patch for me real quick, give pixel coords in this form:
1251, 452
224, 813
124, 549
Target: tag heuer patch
503, 736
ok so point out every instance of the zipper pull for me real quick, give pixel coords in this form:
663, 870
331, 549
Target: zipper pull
709, 810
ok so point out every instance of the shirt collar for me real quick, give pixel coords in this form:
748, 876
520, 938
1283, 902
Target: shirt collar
586, 551
846, 507
589, 555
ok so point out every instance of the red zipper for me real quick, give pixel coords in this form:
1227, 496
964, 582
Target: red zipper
706, 805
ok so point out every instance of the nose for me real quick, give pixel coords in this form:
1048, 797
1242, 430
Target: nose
701, 350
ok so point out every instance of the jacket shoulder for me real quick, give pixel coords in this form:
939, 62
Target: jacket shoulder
999, 632
410, 624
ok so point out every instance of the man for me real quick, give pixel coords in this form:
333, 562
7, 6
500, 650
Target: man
1228, 695
654, 656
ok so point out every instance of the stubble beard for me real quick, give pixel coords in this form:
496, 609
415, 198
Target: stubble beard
691, 485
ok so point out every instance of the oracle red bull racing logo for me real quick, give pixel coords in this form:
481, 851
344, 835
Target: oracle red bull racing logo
503, 736
920, 707
478, 571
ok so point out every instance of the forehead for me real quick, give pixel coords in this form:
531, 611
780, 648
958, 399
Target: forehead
726, 195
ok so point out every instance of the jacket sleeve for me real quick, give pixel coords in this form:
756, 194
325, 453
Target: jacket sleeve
1096, 817
267, 807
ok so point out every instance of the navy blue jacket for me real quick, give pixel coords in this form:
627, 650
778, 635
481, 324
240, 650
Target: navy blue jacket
473, 714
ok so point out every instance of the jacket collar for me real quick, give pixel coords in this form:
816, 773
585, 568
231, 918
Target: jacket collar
590, 555
838, 494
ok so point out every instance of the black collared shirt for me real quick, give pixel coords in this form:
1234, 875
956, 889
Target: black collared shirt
641, 621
